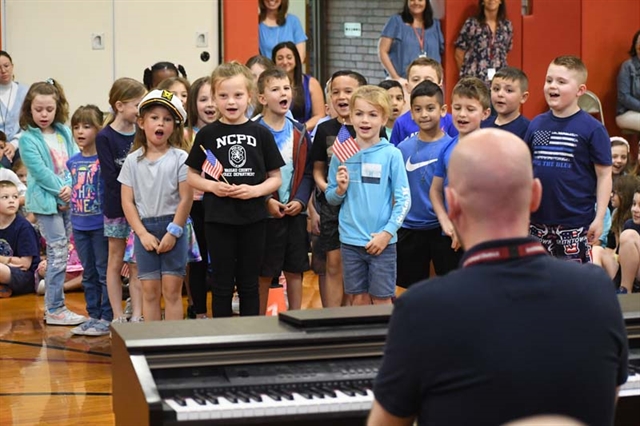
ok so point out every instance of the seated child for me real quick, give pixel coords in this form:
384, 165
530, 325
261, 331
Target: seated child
19, 251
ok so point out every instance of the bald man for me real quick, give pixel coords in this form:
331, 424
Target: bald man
514, 332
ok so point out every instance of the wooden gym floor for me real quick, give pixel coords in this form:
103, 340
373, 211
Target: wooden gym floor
50, 377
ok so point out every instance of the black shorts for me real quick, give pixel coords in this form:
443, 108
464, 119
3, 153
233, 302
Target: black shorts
286, 247
417, 248
329, 234
318, 256
21, 282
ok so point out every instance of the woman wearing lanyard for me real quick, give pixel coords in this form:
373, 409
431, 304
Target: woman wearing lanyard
484, 41
408, 35
12, 95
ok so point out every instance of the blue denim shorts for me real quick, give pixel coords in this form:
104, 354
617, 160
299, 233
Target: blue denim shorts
365, 273
116, 227
151, 265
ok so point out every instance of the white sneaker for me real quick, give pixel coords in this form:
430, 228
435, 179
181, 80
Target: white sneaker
128, 310
64, 316
235, 304
40, 289
93, 327
119, 320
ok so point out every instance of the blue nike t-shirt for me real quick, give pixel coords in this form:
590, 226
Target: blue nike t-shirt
421, 159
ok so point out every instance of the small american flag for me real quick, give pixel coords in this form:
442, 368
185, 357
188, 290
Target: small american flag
345, 146
211, 165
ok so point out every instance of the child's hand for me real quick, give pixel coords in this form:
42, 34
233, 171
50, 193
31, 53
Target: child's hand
378, 243
65, 194
293, 208
167, 243
242, 192
275, 208
221, 189
342, 177
313, 225
149, 242
450, 231
594, 232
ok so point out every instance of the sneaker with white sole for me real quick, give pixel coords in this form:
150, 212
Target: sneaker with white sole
235, 304
64, 316
120, 320
128, 309
93, 327
136, 319
41, 288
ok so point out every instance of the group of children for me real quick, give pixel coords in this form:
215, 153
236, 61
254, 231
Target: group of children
182, 175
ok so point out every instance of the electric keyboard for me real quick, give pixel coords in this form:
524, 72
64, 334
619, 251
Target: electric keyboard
312, 367
308, 367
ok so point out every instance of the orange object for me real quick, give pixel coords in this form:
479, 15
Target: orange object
276, 302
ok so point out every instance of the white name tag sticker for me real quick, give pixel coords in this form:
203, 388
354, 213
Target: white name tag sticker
371, 172
490, 73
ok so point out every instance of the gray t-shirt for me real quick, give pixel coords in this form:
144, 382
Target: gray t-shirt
155, 183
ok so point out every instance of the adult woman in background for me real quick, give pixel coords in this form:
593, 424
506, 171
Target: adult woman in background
484, 41
407, 35
628, 111
12, 95
307, 105
276, 26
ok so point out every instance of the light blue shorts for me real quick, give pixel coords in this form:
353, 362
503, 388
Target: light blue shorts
365, 273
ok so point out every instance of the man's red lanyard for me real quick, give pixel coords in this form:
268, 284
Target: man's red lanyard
512, 251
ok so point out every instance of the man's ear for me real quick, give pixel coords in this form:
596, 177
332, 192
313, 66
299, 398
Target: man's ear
536, 195
451, 196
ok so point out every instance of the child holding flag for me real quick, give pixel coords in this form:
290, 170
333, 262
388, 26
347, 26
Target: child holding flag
368, 179
234, 206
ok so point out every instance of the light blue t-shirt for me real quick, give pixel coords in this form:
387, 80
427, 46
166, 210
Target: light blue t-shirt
271, 36
421, 160
284, 140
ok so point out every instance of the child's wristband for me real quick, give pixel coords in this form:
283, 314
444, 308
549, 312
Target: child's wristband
175, 230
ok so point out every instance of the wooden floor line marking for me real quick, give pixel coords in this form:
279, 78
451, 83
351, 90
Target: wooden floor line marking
56, 394
62, 348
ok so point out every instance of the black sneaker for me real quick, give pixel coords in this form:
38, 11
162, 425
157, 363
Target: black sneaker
191, 312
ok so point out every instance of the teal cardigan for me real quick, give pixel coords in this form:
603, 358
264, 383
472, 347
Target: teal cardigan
43, 185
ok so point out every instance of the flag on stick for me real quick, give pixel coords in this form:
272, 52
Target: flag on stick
345, 145
211, 165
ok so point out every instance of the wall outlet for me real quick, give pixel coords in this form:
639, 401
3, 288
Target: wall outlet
97, 41
202, 39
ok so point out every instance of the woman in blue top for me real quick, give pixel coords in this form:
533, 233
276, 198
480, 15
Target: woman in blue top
628, 111
408, 35
307, 105
276, 26
12, 96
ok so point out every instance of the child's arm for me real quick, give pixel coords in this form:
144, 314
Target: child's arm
299, 200
437, 200
43, 175
318, 175
22, 262
338, 182
180, 218
148, 241
603, 192
401, 206
247, 192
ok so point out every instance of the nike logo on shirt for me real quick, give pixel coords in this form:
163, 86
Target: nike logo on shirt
415, 166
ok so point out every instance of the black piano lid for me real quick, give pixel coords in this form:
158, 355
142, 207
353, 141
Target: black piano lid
354, 315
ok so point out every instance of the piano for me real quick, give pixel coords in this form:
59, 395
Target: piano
311, 367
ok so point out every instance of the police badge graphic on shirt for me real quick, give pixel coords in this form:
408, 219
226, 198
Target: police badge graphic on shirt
237, 156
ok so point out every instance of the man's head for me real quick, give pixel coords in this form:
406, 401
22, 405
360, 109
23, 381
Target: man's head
491, 190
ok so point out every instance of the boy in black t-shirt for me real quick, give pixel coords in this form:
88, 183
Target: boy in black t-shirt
19, 252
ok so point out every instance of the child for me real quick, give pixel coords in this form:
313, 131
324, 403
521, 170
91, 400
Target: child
394, 89
343, 84
161, 71
619, 156
45, 146
470, 105
420, 70
420, 239
202, 110
257, 64
11, 174
373, 189
572, 158
287, 239
86, 219
629, 255
234, 207
156, 201
179, 86
20, 251
113, 144
508, 92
